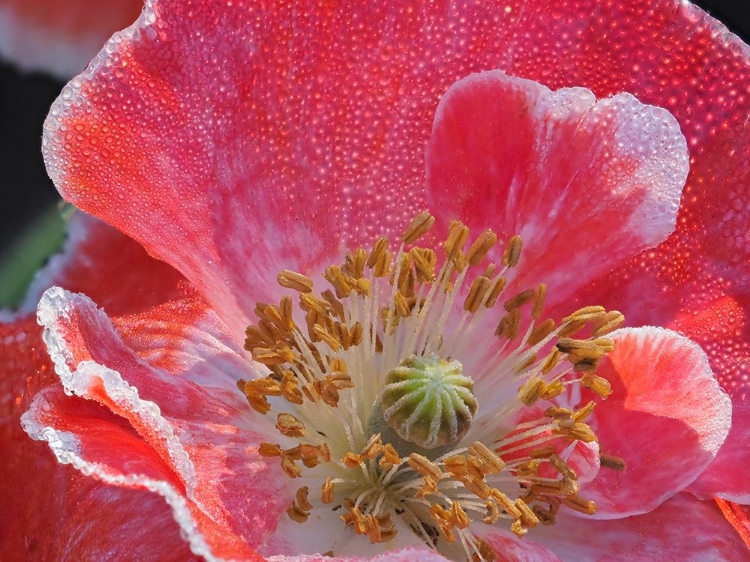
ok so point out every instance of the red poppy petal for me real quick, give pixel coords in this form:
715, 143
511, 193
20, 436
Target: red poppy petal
682, 528
205, 435
586, 184
60, 38
90, 520
97, 442
696, 281
666, 418
109, 267
721, 327
185, 337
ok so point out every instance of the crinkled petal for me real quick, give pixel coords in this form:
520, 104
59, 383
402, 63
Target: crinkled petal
98, 443
203, 435
60, 37
666, 418
585, 183
90, 520
681, 529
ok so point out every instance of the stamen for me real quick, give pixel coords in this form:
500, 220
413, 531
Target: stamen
512, 251
420, 225
295, 281
372, 383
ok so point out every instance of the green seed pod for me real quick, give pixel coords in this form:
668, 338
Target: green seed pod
428, 401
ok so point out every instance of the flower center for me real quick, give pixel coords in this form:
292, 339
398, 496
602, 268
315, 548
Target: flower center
375, 382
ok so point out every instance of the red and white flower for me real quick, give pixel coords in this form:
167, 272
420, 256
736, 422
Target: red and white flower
235, 142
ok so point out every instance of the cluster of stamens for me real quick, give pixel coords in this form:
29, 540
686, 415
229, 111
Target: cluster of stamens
330, 357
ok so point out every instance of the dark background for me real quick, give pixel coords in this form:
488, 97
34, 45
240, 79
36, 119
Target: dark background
25, 191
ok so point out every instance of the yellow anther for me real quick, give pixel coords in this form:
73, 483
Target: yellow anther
505, 503
477, 486
493, 463
519, 300
429, 486
295, 281
552, 390
301, 498
459, 517
289, 467
355, 263
584, 314
562, 467
580, 505
383, 265
479, 288
611, 462
479, 248
510, 325
424, 263
289, 426
424, 466
456, 465
496, 288
458, 234
401, 303
584, 412
334, 305
608, 323
352, 460
492, 514
297, 514
378, 251
373, 447
419, 226
528, 468
326, 494
390, 457
541, 331
599, 385
325, 336
269, 450
552, 360
338, 280
531, 391
539, 296
542, 452
528, 517
512, 251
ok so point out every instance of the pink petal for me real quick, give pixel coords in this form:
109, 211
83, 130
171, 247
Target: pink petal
586, 184
682, 529
721, 327
204, 436
99, 443
109, 267
666, 417
90, 520
184, 337
60, 38
695, 282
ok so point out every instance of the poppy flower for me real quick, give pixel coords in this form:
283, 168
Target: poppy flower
249, 147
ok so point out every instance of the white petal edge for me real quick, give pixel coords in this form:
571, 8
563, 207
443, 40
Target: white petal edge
64, 445
58, 302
